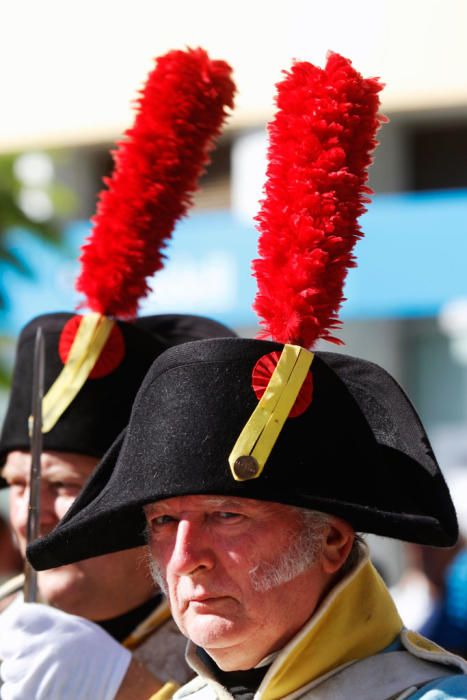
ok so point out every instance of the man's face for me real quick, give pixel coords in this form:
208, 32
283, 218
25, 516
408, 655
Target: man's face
216, 555
98, 588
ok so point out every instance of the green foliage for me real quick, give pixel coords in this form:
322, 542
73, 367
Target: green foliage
12, 216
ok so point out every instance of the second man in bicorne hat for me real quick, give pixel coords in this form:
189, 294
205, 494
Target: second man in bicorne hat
95, 363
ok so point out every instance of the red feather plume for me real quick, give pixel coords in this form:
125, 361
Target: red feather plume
180, 111
320, 145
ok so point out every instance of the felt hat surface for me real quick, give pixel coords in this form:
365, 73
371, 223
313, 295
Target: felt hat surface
102, 407
357, 451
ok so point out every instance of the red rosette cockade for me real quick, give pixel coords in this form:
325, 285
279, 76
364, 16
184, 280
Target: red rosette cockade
320, 145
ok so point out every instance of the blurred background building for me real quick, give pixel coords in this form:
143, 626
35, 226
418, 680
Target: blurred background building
70, 71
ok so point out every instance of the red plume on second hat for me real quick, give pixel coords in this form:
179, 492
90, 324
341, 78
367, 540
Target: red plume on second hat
157, 167
95, 362
271, 419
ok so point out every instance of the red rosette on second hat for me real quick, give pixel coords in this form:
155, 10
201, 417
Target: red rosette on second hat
110, 357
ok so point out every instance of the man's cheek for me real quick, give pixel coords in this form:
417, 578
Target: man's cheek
18, 520
174, 600
173, 591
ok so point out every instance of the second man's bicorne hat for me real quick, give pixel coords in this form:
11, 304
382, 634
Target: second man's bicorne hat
95, 362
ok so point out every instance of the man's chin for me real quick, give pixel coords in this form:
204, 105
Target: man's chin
212, 631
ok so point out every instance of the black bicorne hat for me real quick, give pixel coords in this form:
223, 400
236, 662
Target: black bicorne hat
357, 451
101, 408
272, 420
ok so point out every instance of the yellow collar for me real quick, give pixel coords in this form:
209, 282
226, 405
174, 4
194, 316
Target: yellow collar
357, 619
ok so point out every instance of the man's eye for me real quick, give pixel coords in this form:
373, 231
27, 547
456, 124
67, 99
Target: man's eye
162, 520
228, 515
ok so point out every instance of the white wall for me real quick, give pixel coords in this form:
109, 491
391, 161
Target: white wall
69, 69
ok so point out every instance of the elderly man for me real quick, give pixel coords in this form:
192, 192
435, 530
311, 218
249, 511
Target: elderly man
264, 572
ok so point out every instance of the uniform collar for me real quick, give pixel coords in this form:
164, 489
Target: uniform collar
356, 619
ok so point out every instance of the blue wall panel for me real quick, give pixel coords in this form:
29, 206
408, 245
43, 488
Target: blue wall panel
411, 261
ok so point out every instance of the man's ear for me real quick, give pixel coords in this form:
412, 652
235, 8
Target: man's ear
337, 544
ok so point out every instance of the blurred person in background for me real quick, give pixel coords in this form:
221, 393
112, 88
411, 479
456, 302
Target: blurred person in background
427, 592
94, 364
115, 590
449, 625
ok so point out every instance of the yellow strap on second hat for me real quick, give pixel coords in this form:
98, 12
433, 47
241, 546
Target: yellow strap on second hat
86, 348
260, 433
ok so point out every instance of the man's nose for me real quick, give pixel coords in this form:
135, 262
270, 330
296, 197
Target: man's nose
191, 553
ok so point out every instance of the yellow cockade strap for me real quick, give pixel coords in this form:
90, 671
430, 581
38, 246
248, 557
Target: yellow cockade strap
167, 691
86, 348
260, 433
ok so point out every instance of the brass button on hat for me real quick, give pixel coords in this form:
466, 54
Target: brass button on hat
246, 467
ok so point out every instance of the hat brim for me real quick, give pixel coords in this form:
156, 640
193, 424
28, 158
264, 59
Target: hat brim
347, 455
